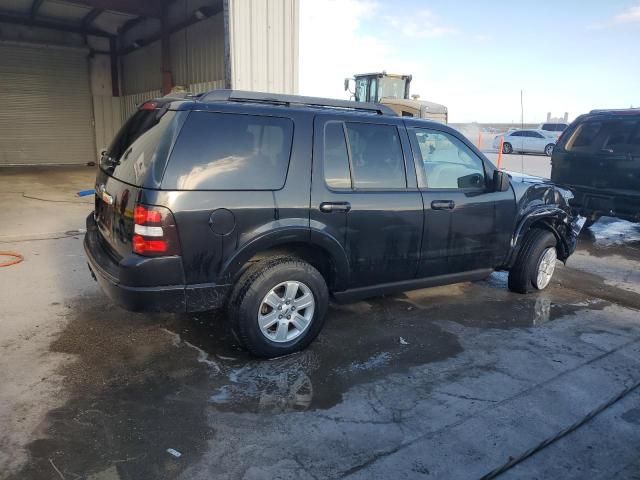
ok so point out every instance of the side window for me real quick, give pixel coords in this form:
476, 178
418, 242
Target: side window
517, 134
376, 156
536, 135
446, 161
336, 158
224, 151
583, 137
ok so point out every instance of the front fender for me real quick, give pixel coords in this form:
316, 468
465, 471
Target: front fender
564, 226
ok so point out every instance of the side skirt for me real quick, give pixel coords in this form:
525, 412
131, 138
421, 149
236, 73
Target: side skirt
354, 294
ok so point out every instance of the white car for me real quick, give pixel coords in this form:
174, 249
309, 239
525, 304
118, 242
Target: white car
554, 128
527, 141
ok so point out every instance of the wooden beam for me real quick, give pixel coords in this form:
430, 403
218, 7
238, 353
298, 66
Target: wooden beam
53, 25
90, 17
139, 8
35, 6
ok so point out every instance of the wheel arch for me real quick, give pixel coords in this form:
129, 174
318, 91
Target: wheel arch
320, 250
553, 219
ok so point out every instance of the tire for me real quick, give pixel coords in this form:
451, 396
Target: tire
523, 276
507, 148
548, 150
591, 219
293, 330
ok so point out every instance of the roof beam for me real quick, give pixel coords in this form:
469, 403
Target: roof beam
139, 8
53, 25
35, 6
90, 17
207, 12
129, 24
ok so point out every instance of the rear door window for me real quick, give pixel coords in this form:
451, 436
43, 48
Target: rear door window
223, 151
136, 146
376, 156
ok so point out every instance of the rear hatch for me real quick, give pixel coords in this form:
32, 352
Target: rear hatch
134, 160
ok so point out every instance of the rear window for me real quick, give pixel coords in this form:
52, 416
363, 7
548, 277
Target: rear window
135, 146
222, 151
584, 137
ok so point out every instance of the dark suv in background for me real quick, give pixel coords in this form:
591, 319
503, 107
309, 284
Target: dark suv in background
269, 205
598, 158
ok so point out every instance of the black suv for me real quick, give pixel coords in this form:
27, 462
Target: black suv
270, 204
598, 158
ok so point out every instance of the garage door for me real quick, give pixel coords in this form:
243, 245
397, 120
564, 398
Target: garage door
45, 107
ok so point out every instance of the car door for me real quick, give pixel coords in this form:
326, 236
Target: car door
515, 139
365, 197
467, 225
537, 142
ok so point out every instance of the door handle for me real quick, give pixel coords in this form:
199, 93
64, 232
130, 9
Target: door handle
329, 207
443, 205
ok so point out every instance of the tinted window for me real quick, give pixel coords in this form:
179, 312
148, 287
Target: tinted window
135, 146
336, 159
618, 136
536, 135
447, 162
517, 134
583, 137
220, 151
634, 141
376, 156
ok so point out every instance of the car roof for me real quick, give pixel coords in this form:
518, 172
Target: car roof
239, 97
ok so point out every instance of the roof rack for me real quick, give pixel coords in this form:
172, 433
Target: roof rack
629, 111
288, 100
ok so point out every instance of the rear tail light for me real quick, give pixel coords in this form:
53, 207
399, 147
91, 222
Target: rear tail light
154, 231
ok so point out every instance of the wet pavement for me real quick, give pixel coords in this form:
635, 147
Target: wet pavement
448, 382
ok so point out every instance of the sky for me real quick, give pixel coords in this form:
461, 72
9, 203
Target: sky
476, 56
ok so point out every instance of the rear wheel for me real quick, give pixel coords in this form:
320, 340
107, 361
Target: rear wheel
548, 150
535, 263
278, 306
507, 148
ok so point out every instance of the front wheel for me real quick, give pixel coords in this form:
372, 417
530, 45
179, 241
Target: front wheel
507, 148
278, 306
548, 150
536, 262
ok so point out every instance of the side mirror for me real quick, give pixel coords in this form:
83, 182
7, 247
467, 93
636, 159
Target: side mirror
500, 181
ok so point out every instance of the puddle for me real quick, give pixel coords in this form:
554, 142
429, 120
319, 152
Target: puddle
611, 236
142, 384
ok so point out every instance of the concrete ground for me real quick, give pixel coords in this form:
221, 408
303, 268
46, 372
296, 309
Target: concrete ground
449, 382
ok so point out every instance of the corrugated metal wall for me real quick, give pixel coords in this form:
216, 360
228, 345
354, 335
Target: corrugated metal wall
264, 45
197, 52
107, 114
197, 56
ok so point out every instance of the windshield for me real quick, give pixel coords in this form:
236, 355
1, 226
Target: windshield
389, 87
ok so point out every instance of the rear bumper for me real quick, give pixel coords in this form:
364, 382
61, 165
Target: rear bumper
128, 281
602, 202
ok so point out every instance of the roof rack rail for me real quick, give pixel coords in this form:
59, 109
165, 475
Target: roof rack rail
631, 110
288, 100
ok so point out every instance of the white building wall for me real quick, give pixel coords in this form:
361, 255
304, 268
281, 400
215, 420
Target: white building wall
263, 45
